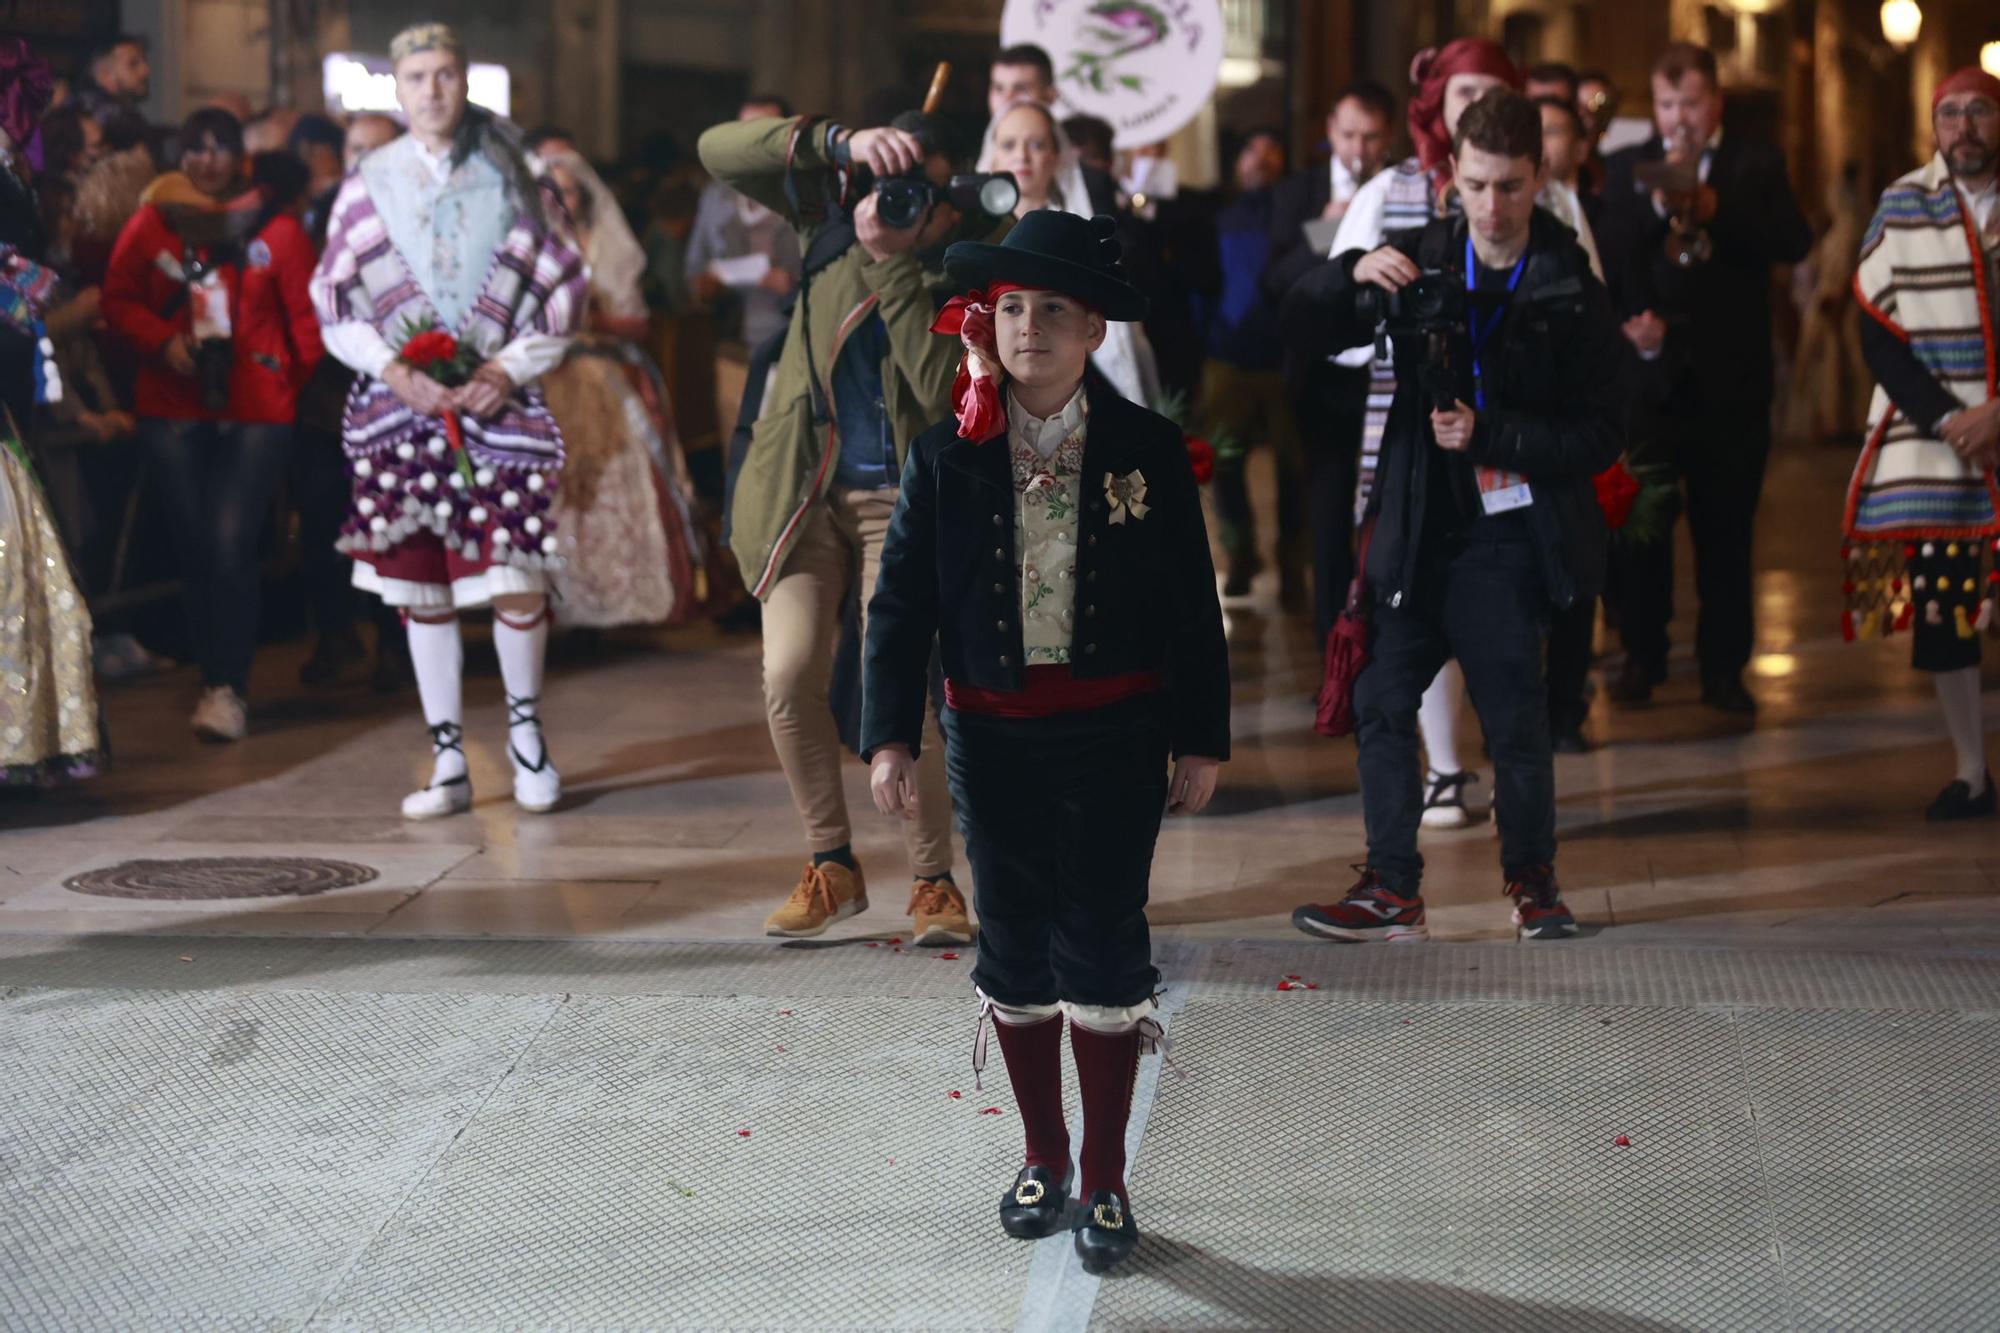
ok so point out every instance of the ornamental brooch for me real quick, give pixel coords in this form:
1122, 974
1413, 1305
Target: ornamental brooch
1125, 495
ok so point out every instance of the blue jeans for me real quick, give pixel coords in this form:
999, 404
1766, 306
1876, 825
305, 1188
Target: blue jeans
1484, 603
217, 479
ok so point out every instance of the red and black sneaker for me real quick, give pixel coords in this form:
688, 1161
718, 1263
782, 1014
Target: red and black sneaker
1369, 913
1538, 906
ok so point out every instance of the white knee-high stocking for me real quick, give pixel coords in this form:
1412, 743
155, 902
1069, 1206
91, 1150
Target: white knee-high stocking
437, 658
521, 642
1437, 719
1958, 695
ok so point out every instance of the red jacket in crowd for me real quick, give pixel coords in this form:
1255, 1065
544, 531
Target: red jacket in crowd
271, 316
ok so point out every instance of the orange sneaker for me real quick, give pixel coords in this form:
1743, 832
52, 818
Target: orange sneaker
825, 894
937, 912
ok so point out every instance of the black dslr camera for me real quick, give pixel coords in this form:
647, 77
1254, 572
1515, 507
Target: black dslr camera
1432, 307
214, 358
901, 201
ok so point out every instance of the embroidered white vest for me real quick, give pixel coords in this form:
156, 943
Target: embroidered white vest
446, 231
1048, 498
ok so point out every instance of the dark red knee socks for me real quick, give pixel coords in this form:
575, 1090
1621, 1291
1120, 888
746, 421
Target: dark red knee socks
1034, 1066
1106, 1068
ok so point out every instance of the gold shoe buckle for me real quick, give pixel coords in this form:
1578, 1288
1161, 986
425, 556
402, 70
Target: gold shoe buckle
1030, 1192
1108, 1216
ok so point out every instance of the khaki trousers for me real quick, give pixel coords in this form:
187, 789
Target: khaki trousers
801, 636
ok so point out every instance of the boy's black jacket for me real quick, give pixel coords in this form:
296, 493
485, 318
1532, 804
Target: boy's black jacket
1145, 588
1554, 388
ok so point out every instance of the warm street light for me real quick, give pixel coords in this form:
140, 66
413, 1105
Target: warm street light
1902, 20
1989, 58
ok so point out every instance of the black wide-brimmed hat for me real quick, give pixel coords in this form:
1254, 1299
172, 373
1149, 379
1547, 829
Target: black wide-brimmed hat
1049, 250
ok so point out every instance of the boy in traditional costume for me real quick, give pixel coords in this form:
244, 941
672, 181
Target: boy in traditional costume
1923, 511
453, 237
1050, 542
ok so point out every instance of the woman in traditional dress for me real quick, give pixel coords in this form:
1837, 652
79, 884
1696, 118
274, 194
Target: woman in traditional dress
48, 701
630, 547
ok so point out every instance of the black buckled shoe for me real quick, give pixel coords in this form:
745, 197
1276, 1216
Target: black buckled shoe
1956, 802
1108, 1232
1034, 1207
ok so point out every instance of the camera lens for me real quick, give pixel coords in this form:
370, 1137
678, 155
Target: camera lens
900, 201
1425, 298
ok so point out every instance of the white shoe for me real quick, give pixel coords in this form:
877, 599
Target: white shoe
444, 796
453, 796
537, 785
221, 715
1444, 800
537, 788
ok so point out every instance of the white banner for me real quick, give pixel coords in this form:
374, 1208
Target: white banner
1146, 66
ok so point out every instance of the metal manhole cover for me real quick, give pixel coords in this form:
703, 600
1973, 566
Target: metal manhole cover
220, 877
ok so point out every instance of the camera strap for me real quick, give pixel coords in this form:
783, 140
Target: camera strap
835, 235
1481, 331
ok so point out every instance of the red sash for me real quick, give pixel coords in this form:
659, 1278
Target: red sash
1050, 690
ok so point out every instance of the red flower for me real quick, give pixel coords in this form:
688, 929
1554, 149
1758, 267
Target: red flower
428, 348
1617, 488
1201, 454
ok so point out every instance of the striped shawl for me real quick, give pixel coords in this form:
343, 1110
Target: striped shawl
537, 283
1920, 279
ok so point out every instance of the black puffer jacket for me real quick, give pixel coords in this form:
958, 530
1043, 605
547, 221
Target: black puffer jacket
1554, 391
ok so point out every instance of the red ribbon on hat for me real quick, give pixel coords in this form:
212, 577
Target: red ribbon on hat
975, 391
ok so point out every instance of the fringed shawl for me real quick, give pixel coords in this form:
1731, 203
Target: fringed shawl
1921, 279
537, 284
1914, 507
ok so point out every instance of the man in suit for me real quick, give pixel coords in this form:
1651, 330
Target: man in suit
1705, 328
1328, 395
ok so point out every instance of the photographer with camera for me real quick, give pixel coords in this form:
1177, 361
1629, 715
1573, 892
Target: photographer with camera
860, 376
208, 283
1483, 521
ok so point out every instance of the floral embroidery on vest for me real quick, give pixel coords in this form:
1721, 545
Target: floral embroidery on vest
1048, 498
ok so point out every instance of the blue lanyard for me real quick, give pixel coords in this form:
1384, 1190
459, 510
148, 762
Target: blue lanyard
1481, 331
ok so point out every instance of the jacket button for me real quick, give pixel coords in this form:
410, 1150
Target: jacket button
1090, 610
999, 554
1089, 649
1006, 661
1000, 625
1000, 588
1091, 577
996, 520
1092, 541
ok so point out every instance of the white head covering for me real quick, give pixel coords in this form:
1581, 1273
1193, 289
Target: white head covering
1126, 358
615, 258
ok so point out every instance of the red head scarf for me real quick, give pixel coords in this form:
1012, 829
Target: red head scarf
976, 398
1431, 71
1971, 79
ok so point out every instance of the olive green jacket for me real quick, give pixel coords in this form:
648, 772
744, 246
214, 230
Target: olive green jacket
790, 464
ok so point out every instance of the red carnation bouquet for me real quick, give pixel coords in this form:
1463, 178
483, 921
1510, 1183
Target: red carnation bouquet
434, 352
1202, 455
1617, 488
